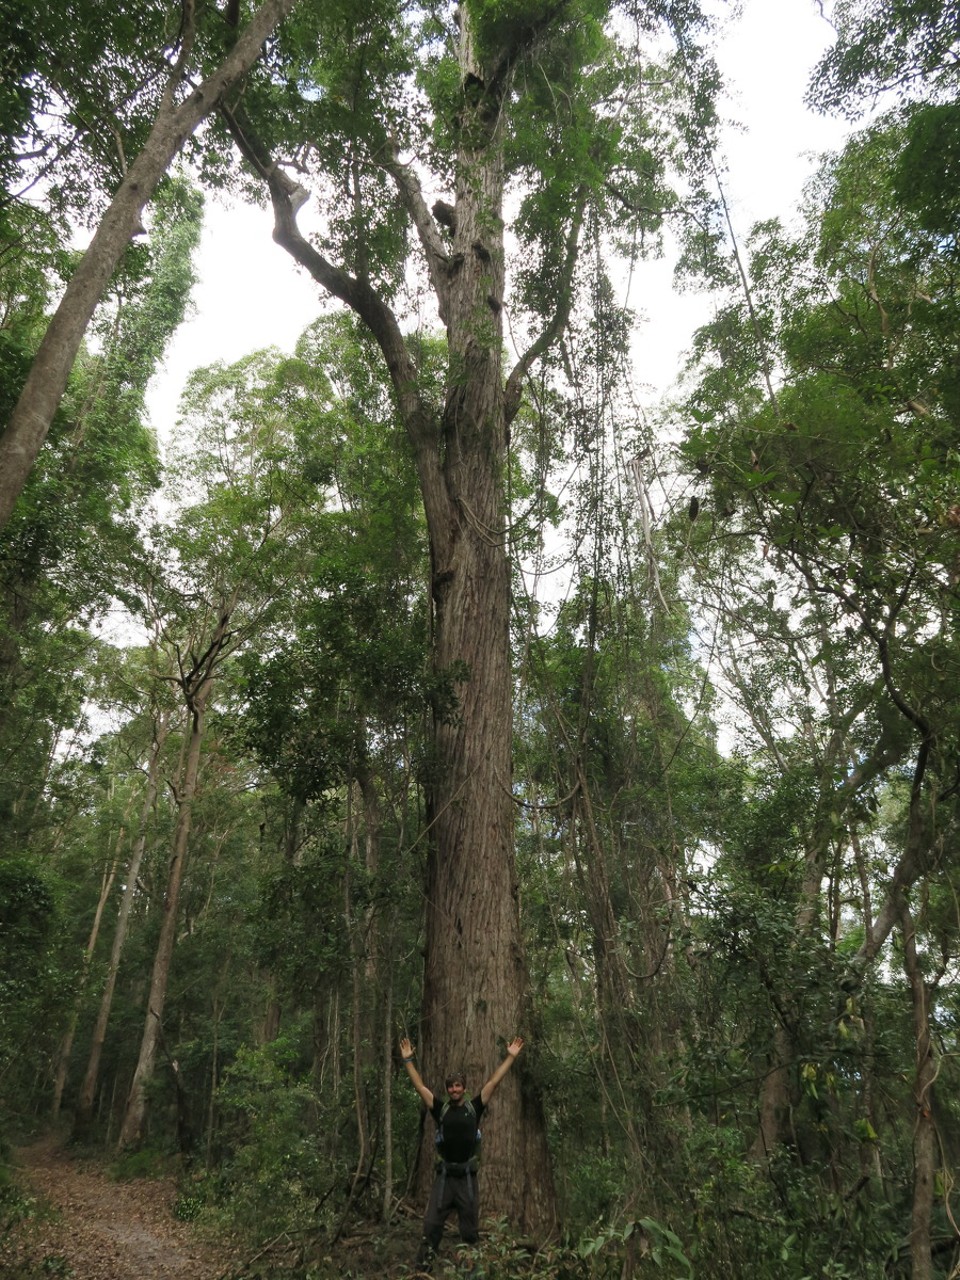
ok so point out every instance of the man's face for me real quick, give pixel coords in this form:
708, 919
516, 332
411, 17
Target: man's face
455, 1092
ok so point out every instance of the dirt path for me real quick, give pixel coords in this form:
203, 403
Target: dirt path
104, 1230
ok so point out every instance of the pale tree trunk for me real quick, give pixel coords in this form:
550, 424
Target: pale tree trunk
925, 1131
218, 1009
270, 1026
175, 122
197, 687
775, 1101
388, 941
66, 1044
387, 1085
776, 1087
357, 986
364, 941
869, 1150
615, 995
366, 978
83, 1118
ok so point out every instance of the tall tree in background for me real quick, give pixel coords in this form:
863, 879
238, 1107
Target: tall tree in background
73, 546
230, 561
336, 705
841, 494
175, 107
159, 719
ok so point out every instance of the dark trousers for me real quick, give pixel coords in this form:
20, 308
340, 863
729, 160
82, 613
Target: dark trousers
450, 1191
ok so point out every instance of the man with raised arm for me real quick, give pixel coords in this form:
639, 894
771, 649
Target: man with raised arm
458, 1138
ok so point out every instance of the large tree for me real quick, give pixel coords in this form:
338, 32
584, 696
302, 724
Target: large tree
528, 116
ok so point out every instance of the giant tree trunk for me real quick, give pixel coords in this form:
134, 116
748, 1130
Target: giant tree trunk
475, 987
46, 382
475, 976
474, 981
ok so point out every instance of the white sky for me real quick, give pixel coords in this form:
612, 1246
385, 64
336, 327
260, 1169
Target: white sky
251, 295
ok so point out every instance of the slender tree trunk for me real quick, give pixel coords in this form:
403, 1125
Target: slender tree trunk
870, 1150
218, 1010
615, 994
388, 1072
83, 1118
131, 1132
66, 1044
775, 1089
357, 985
270, 1028
47, 380
925, 1133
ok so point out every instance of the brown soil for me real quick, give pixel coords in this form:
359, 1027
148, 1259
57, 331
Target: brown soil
85, 1225
98, 1229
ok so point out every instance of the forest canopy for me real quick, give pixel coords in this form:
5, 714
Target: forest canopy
427, 681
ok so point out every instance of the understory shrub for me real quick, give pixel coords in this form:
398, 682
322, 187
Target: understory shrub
275, 1176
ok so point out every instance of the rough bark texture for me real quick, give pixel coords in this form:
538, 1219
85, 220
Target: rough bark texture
475, 976
43, 390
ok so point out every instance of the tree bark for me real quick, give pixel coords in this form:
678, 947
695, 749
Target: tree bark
475, 982
66, 1044
776, 1088
773, 1107
47, 380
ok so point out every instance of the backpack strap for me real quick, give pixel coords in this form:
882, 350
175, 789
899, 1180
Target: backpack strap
471, 1112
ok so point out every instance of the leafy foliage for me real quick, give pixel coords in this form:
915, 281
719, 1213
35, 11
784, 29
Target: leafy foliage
735, 742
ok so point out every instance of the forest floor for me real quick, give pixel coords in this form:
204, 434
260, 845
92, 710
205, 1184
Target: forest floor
86, 1225
89, 1227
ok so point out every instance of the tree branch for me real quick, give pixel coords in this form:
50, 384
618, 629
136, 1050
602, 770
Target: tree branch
46, 382
906, 873
558, 321
287, 198
411, 193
